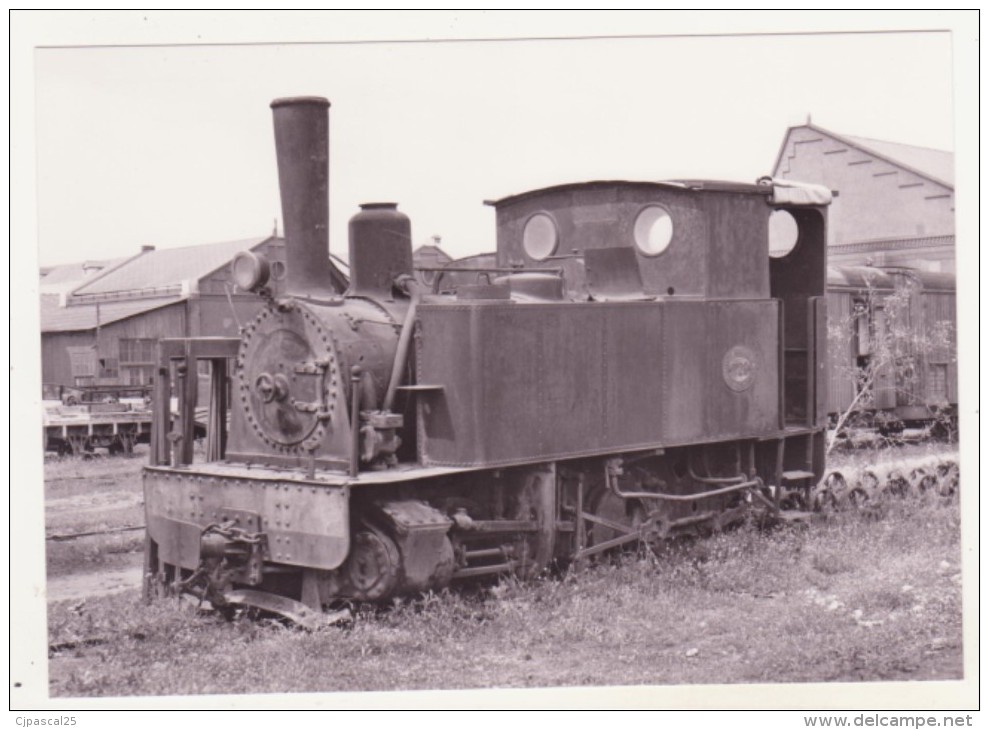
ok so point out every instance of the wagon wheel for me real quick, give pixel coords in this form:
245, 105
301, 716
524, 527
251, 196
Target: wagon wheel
828, 494
794, 499
825, 501
868, 483
922, 481
896, 484
947, 478
856, 497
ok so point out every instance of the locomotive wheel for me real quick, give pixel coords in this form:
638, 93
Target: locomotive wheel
372, 569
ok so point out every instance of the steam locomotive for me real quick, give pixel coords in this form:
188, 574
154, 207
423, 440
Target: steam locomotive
635, 365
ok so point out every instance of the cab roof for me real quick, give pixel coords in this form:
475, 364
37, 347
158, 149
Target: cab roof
718, 186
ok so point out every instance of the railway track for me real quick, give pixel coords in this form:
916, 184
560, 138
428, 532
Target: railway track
62, 537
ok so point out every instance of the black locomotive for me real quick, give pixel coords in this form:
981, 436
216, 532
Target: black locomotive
634, 365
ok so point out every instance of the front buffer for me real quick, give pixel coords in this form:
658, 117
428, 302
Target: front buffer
198, 543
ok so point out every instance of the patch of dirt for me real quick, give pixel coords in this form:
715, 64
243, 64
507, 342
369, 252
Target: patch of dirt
87, 585
93, 502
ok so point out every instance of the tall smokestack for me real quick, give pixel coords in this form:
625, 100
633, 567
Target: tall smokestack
302, 145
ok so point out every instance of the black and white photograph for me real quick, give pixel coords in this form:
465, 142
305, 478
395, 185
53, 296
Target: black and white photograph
495, 359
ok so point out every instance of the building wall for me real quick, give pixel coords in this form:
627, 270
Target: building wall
56, 363
200, 315
207, 311
217, 316
876, 199
56, 367
167, 321
931, 258
273, 249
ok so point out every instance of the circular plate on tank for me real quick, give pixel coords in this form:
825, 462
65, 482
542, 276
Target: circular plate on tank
738, 367
288, 375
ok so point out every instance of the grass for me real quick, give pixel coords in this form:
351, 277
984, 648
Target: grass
849, 599
90, 495
850, 459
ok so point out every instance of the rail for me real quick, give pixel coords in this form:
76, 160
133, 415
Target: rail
92, 533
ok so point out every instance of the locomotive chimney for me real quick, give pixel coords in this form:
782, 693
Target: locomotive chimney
302, 146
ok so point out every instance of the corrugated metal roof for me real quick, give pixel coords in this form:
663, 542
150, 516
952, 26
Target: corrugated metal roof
937, 164
82, 317
719, 186
894, 244
868, 277
66, 277
167, 267
858, 277
432, 252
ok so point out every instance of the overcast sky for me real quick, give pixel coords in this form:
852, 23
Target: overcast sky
173, 146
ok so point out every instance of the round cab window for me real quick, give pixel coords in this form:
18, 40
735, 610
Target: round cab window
653, 230
782, 233
539, 238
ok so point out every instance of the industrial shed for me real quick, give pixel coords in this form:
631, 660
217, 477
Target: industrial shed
102, 330
895, 203
429, 256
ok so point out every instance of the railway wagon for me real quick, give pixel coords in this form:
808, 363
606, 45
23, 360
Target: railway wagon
892, 347
80, 429
634, 365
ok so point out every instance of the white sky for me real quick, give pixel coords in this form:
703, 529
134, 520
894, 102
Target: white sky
173, 146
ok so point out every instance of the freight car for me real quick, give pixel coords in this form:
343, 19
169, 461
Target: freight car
891, 358
81, 429
634, 365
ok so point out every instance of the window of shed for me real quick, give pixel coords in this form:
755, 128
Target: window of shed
539, 237
653, 230
782, 233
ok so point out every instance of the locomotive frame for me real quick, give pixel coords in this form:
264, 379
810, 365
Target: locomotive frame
391, 440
